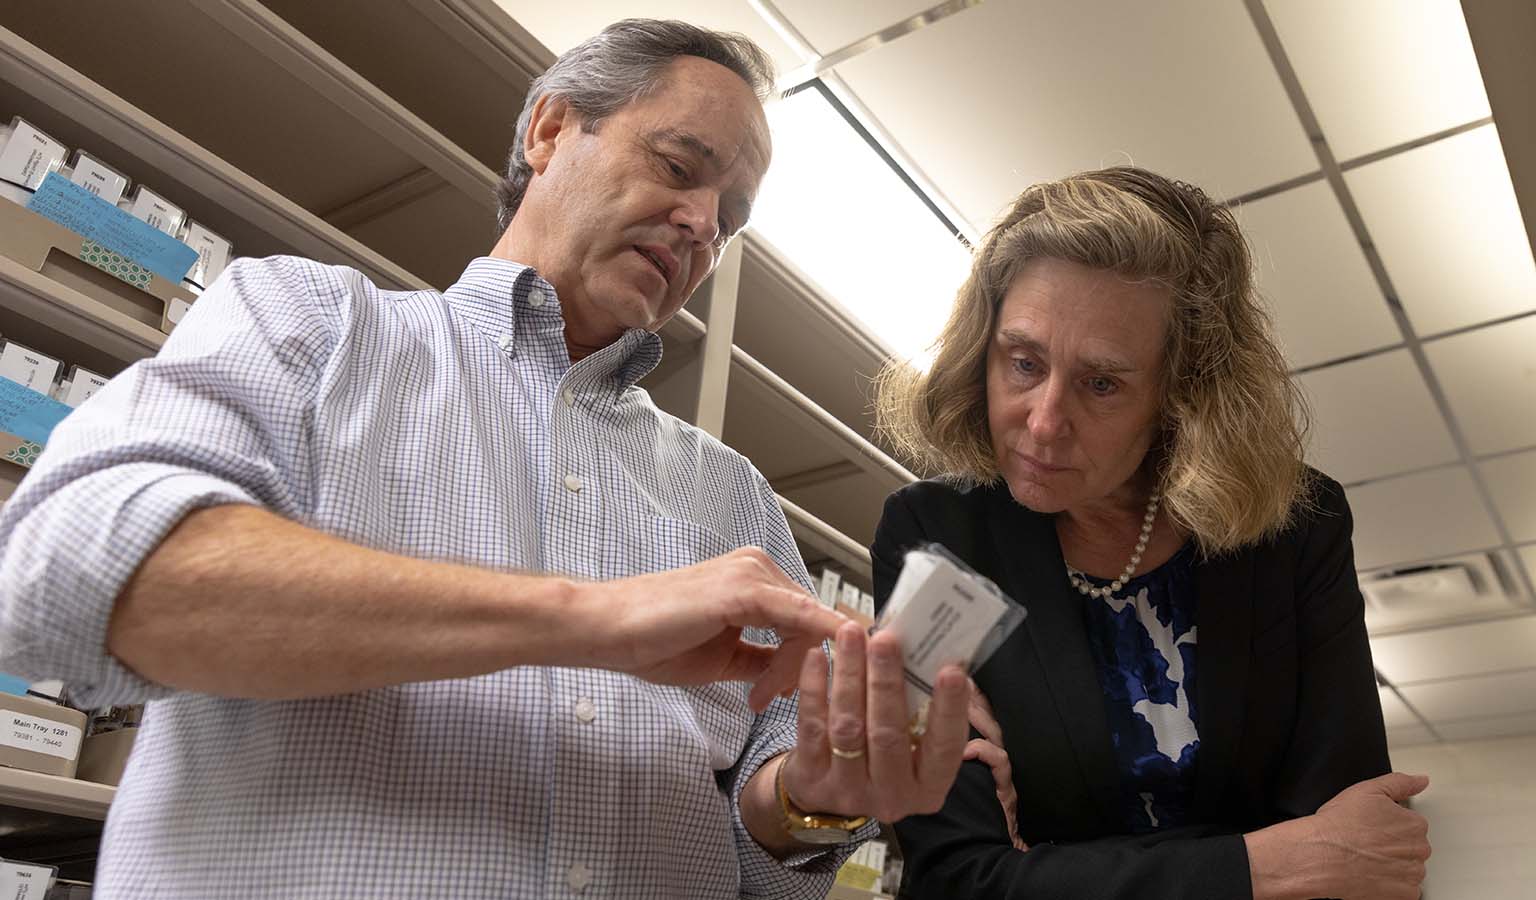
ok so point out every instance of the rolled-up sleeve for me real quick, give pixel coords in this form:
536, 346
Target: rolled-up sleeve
804, 875
221, 415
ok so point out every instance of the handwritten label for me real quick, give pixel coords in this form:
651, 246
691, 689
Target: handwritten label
39, 735
28, 414
29, 155
84, 213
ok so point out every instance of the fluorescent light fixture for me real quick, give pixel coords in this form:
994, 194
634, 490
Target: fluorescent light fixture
837, 208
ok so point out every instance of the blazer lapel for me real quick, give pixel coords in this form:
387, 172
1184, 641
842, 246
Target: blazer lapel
1031, 563
1224, 618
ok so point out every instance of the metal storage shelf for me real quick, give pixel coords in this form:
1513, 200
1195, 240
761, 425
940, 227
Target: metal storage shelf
52, 794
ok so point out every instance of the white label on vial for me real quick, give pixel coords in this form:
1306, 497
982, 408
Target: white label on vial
22, 881
39, 735
157, 211
95, 177
28, 368
177, 308
81, 389
29, 156
212, 254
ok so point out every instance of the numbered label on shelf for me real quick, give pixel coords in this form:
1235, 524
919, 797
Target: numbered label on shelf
39, 735
24, 881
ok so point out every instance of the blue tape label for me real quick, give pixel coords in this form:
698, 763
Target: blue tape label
86, 214
28, 414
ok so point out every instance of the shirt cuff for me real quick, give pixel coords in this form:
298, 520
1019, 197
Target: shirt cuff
806, 875
69, 550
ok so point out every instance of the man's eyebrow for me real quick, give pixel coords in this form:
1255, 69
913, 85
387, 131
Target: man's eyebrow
688, 141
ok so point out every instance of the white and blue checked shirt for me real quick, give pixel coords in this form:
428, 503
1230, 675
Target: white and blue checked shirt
445, 426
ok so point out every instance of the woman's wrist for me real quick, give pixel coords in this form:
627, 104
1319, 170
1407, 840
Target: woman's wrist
1281, 864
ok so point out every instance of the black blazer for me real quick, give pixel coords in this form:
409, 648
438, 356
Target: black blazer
1289, 714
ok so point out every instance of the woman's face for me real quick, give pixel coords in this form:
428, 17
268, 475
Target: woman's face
1074, 382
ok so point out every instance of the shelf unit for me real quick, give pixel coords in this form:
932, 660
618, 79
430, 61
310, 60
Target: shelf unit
51, 794
334, 130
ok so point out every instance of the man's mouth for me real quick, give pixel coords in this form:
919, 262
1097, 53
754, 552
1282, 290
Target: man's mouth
655, 261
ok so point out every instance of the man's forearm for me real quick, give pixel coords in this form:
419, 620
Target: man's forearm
239, 602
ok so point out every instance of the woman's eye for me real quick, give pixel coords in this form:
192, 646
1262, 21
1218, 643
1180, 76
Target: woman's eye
1101, 385
1024, 366
676, 170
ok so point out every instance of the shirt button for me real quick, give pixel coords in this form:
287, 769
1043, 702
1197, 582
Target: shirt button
569, 396
505, 343
536, 298
579, 877
585, 711
573, 483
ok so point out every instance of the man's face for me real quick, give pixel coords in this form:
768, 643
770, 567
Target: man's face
630, 216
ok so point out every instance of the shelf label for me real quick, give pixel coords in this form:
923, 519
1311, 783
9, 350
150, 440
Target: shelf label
24, 881
88, 215
28, 414
24, 732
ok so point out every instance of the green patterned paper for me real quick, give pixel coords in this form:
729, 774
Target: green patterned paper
24, 455
115, 264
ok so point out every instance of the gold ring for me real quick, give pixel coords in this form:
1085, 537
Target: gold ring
840, 753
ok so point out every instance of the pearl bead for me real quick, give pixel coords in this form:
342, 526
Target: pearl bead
1148, 522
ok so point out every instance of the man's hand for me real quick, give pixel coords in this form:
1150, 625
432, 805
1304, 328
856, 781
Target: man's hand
685, 626
880, 770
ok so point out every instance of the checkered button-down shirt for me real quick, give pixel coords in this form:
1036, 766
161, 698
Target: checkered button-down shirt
446, 426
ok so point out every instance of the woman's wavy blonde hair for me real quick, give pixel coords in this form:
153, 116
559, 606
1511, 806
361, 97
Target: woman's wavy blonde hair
1229, 458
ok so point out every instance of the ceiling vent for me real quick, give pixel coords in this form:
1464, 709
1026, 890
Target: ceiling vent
1456, 589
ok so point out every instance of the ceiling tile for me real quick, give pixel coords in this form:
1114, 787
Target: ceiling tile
1381, 72
831, 26
1408, 736
561, 26
1512, 482
1419, 517
1325, 300
1489, 377
1504, 694
1448, 227
1394, 711
1005, 95
1374, 417
1477, 729
1460, 651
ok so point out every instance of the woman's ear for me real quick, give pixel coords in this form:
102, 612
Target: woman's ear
551, 117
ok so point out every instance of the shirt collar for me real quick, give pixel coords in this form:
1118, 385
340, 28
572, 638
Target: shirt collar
518, 310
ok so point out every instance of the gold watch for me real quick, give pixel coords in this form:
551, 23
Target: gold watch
813, 828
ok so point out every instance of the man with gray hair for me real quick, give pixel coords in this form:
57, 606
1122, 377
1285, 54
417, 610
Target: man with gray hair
427, 597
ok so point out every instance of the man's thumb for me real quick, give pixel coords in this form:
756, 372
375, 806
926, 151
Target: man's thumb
1400, 786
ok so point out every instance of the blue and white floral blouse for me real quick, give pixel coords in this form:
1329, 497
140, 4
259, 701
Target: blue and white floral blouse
1143, 642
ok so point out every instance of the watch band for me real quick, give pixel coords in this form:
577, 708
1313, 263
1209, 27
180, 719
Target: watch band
813, 828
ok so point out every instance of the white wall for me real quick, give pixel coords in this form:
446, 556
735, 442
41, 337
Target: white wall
1481, 805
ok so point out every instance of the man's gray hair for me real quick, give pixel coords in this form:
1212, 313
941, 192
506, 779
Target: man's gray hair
620, 65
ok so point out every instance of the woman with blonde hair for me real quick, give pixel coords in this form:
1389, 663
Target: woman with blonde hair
1189, 709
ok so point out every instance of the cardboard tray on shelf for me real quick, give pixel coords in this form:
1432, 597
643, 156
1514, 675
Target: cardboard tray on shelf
50, 249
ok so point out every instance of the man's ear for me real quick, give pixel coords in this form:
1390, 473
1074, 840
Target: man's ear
551, 118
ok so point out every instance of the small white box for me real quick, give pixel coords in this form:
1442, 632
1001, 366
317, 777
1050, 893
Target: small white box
827, 588
156, 210
98, 177
28, 368
29, 155
80, 385
212, 253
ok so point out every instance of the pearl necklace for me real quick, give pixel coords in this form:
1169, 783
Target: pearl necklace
1088, 590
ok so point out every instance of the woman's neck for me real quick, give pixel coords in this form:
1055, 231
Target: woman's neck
1098, 537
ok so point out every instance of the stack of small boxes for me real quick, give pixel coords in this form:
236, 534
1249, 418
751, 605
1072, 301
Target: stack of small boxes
27, 155
837, 594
